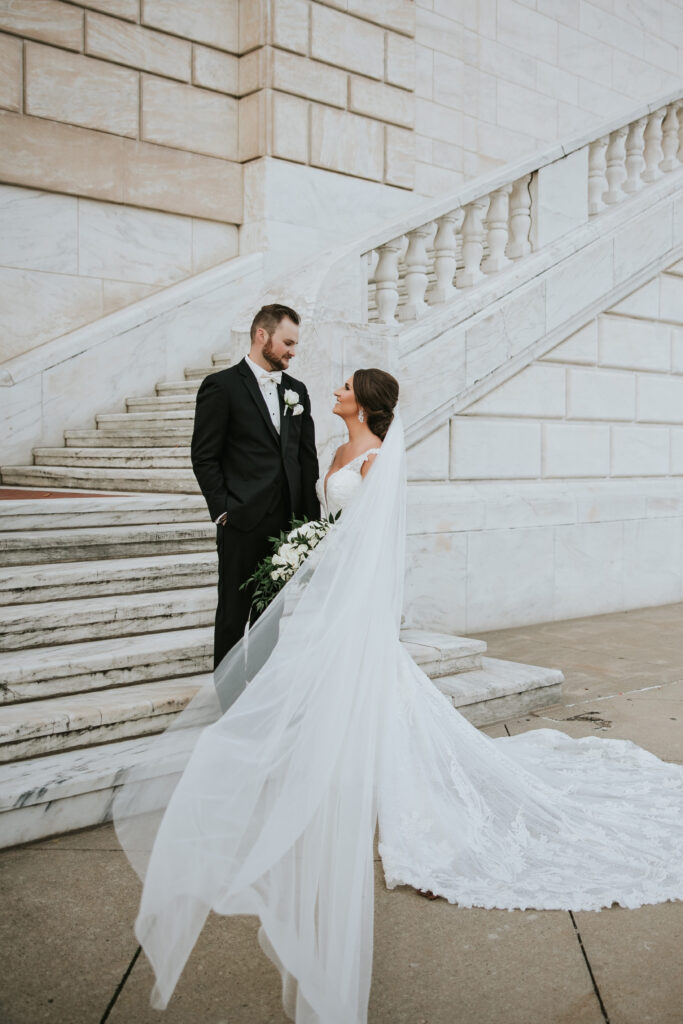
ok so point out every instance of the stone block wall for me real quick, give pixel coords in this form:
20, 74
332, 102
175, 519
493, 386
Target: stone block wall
605, 404
559, 493
119, 158
497, 79
330, 85
181, 126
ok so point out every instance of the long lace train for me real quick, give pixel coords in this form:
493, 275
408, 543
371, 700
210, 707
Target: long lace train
534, 820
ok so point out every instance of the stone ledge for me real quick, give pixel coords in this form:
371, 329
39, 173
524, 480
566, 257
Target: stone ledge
46, 514
450, 507
68, 669
97, 542
502, 689
46, 726
31, 584
113, 615
44, 154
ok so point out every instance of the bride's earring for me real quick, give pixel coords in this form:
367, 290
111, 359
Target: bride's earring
361, 416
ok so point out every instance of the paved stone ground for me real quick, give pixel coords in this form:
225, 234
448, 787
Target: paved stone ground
69, 955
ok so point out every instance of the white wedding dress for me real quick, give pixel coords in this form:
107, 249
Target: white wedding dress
338, 730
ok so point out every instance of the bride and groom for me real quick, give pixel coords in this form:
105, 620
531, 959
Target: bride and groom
254, 455
271, 807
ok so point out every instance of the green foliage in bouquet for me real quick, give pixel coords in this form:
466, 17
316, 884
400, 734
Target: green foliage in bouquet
290, 551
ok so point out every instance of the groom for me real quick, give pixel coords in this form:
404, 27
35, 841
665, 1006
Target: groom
254, 456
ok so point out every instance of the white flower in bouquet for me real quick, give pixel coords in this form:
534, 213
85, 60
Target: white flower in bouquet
290, 552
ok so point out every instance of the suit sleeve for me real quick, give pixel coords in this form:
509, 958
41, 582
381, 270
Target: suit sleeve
308, 460
208, 444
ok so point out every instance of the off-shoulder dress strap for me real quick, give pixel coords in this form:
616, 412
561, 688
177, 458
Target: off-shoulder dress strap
363, 457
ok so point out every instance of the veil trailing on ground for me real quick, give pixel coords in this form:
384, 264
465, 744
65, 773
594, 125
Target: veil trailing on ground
261, 797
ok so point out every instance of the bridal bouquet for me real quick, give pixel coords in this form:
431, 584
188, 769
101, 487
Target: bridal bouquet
290, 551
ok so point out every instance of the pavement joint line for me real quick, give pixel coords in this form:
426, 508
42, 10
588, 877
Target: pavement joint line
603, 1008
625, 693
119, 987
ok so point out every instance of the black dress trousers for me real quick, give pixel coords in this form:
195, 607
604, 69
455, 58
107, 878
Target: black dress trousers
239, 552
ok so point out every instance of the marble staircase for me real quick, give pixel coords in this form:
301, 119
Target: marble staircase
106, 609
145, 448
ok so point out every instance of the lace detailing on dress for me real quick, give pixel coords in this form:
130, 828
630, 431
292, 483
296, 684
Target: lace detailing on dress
535, 820
342, 484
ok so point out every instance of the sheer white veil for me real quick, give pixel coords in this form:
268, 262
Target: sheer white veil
261, 797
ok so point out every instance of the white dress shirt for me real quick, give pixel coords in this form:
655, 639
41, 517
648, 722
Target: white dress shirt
268, 382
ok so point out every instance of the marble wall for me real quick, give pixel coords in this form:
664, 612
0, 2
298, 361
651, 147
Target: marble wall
607, 402
493, 556
559, 493
303, 121
66, 261
498, 79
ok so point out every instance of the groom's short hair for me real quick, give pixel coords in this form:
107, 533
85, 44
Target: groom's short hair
268, 317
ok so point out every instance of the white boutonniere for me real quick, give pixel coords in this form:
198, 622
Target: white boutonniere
291, 400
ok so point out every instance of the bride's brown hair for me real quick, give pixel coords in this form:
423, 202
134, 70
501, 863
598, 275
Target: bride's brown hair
377, 394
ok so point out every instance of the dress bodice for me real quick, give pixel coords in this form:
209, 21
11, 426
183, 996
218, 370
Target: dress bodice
341, 485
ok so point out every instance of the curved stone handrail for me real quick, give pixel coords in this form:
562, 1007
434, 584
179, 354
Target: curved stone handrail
426, 258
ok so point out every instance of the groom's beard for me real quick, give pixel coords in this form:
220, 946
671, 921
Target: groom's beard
272, 359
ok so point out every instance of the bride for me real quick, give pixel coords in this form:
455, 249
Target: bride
270, 807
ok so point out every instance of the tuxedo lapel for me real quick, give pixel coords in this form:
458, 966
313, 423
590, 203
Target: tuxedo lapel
285, 414
255, 391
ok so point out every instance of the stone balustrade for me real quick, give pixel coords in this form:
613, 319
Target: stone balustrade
475, 235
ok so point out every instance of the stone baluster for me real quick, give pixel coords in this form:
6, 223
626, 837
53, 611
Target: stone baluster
472, 243
520, 219
615, 170
497, 231
386, 280
416, 263
366, 277
596, 174
653, 145
670, 138
444, 257
635, 144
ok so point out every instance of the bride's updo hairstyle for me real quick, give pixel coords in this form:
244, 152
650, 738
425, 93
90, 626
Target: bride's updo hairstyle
377, 393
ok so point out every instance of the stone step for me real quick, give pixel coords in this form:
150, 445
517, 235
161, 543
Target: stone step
161, 402
94, 618
44, 673
36, 673
59, 723
440, 654
109, 510
99, 478
57, 793
146, 436
124, 420
66, 581
127, 541
63, 723
50, 795
178, 387
123, 458
501, 689
46, 796
198, 373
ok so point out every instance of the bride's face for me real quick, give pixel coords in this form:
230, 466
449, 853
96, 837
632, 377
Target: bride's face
346, 404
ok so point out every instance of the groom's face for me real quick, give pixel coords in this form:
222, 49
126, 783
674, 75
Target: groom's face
280, 347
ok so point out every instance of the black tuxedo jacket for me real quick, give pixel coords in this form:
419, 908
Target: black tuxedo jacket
240, 461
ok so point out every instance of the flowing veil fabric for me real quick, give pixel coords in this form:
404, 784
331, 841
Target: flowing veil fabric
270, 807
271, 789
